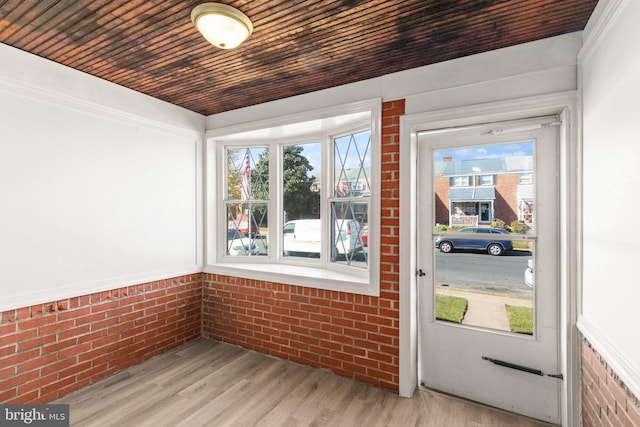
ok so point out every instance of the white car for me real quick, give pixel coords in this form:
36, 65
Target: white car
304, 236
239, 244
528, 274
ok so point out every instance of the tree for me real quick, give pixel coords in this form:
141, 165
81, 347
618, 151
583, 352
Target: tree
299, 201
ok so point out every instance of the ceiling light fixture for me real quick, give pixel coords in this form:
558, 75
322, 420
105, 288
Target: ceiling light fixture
223, 26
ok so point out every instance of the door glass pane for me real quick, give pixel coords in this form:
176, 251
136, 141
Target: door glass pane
485, 237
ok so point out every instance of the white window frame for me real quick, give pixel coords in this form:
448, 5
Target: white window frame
327, 123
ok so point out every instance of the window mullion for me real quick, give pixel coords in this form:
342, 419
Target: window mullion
276, 175
328, 167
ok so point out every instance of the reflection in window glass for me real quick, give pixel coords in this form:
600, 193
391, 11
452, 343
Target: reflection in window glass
246, 201
302, 236
481, 265
350, 202
352, 161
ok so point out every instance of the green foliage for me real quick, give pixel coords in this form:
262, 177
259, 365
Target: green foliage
520, 319
299, 200
260, 177
234, 179
519, 227
451, 309
498, 223
441, 228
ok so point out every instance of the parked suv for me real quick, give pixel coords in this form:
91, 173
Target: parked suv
491, 243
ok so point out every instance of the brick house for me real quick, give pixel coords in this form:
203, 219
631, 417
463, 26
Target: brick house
476, 192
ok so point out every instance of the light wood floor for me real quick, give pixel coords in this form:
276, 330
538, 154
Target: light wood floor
206, 383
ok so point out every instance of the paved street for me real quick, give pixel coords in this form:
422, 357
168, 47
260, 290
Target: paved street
480, 271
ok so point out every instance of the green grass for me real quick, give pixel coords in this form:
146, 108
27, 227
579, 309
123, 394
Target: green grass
450, 309
522, 245
520, 319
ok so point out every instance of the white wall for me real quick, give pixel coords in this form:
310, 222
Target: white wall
99, 185
610, 82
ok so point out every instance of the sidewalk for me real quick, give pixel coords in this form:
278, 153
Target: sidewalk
486, 310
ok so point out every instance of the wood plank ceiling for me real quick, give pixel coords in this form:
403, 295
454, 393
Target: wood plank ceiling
297, 46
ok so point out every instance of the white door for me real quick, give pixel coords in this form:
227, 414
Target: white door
483, 354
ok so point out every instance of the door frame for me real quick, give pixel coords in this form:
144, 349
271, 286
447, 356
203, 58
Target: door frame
563, 104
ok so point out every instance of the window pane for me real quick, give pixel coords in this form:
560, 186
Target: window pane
349, 233
246, 235
301, 200
478, 256
247, 174
301, 195
352, 161
246, 201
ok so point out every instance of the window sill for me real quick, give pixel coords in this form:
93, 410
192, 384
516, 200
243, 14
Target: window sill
310, 277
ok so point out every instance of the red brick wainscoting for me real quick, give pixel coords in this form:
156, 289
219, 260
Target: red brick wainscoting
353, 335
49, 350
606, 401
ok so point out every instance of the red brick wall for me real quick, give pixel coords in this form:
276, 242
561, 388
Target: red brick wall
353, 335
606, 401
506, 202
442, 188
51, 349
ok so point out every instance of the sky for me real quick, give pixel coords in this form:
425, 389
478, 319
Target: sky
350, 156
486, 151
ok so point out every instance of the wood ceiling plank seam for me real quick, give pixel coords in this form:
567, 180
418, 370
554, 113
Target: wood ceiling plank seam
127, 31
169, 34
303, 9
81, 44
42, 42
119, 52
463, 43
14, 15
352, 42
29, 23
195, 32
169, 45
524, 20
173, 49
175, 61
175, 93
358, 29
356, 79
292, 55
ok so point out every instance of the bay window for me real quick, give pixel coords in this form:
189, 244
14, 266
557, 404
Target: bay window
294, 203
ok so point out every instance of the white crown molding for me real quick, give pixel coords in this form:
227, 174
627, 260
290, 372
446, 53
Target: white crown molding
61, 99
602, 19
616, 359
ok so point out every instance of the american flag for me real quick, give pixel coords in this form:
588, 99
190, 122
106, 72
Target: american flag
246, 183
